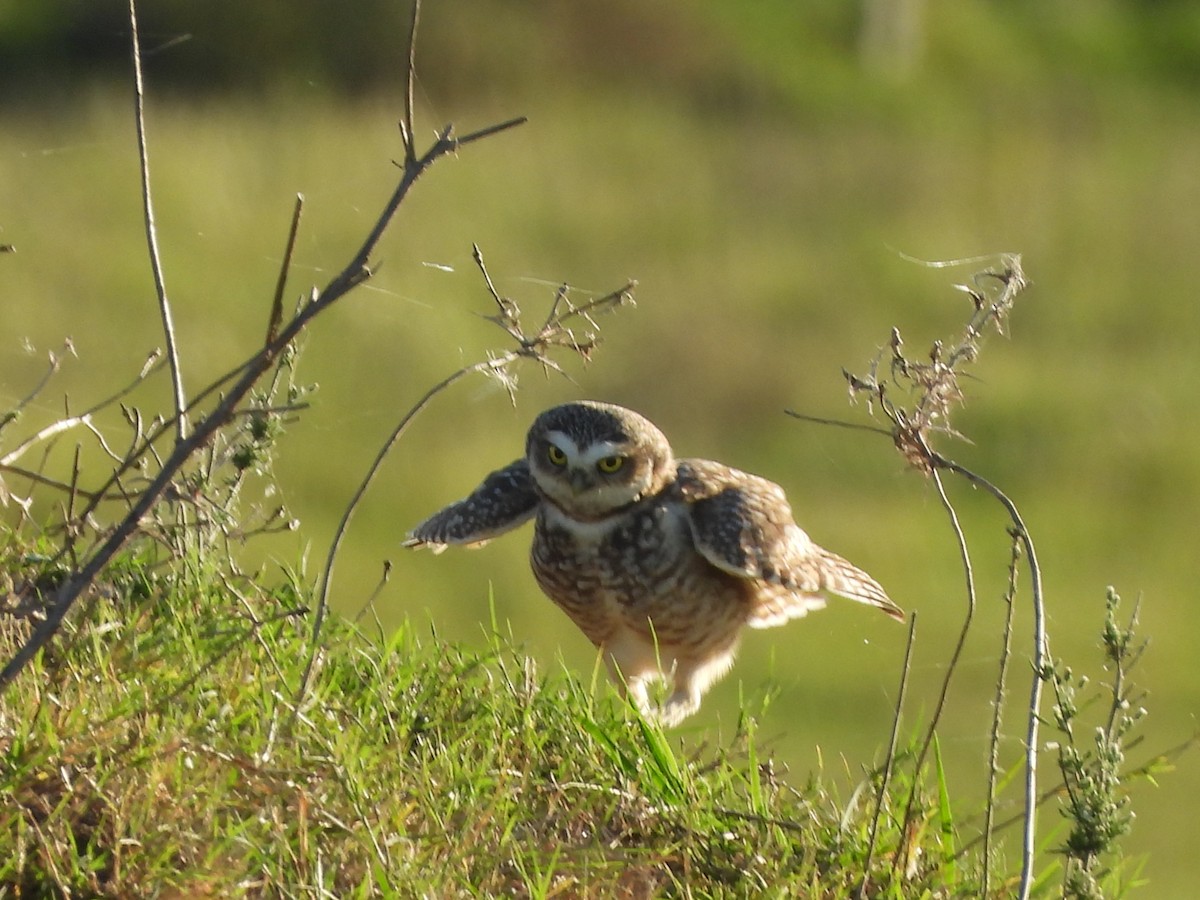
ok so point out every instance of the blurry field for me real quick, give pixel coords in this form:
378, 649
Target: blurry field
763, 201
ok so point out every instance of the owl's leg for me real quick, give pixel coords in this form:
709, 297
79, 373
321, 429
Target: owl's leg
693, 677
636, 691
631, 666
631, 687
681, 704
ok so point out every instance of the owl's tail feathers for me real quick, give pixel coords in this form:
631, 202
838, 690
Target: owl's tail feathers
778, 605
846, 580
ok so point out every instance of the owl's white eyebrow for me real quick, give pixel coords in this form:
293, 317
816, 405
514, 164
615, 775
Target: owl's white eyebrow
563, 443
601, 450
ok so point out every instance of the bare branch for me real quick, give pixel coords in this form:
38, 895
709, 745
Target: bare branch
358, 269
39, 478
854, 426
489, 131
407, 137
49, 431
285, 266
164, 306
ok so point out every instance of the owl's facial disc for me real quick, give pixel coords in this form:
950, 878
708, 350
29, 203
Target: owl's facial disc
591, 459
586, 469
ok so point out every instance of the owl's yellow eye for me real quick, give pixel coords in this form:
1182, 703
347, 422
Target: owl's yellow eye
555, 454
610, 464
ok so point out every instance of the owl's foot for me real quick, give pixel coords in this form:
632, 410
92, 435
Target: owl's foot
676, 709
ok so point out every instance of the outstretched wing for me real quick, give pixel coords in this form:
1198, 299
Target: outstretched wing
743, 525
506, 500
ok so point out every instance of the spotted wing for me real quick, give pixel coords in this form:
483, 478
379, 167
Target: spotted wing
506, 500
743, 525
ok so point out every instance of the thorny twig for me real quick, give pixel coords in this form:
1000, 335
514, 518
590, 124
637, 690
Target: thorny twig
556, 331
406, 123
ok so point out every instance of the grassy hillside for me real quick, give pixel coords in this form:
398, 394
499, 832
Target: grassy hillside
759, 182
172, 744
161, 750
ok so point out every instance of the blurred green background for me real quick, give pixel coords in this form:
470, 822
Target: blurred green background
762, 170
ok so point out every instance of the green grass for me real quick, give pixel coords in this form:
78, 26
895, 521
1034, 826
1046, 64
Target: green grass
158, 749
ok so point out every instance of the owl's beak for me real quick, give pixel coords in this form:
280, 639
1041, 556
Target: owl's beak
579, 479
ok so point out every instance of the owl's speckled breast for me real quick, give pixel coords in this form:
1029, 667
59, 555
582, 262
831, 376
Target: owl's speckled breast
637, 569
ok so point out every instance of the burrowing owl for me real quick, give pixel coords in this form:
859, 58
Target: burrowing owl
659, 561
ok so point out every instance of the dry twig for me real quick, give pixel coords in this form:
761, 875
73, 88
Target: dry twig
160, 287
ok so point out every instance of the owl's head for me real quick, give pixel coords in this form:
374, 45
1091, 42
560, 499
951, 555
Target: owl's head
591, 458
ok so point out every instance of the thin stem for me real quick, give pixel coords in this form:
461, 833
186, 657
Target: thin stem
406, 124
281, 283
482, 133
384, 577
164, 306
477, 255
1041, 651
856, 426
891, 754
39, 478
1010, 596
69, 517
322, 605
935, 719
